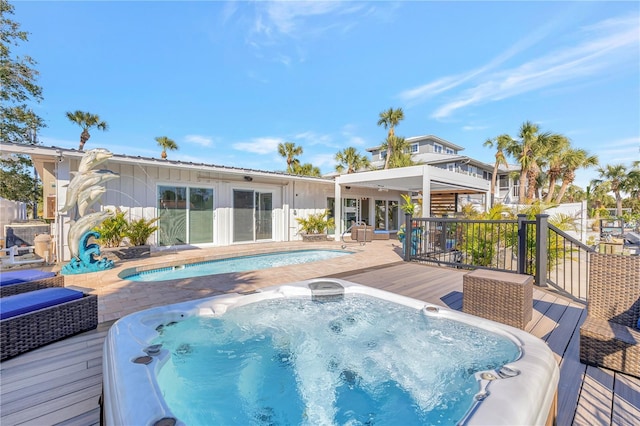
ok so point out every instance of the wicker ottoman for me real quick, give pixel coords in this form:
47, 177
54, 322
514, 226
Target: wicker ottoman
499, 296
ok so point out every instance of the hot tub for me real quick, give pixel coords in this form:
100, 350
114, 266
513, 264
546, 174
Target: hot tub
322, 351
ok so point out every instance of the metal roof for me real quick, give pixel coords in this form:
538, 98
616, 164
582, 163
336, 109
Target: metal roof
58, 152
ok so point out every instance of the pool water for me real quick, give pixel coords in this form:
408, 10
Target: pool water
235, 264
359, 360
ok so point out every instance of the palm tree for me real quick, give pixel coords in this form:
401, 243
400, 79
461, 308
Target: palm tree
290, 151
531, 151
166, 144
390, 119
306, 169
501, 143
572, 160
400, 154
632, 183
86, 120
350, 159
596, 195
573, 194
616, 175
556, 161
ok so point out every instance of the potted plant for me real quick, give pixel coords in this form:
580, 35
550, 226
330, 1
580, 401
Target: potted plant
314, 226
138, 232
408, 207
112, 230
115, 230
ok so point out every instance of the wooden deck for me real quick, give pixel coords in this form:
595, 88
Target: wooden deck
61, 383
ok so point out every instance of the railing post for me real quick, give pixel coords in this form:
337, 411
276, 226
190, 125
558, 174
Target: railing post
522, 244
542, 236
407, 236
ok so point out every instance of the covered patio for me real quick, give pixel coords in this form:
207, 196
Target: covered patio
424, 183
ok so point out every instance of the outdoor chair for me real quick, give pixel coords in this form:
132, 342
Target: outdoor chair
39, 312
610, 336
24, 280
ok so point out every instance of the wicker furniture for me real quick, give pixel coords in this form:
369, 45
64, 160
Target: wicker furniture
362, 233
13, 289
499, 296
609, 337
31, 330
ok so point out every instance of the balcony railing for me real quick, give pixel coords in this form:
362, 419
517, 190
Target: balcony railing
532, 247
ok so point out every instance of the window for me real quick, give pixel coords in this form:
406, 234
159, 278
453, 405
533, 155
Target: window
437, 148
449, 151
383, 154
414, 148
451, 167
473, 170
504, 182
386, 215
185, 215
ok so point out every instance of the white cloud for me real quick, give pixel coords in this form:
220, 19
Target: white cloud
277, 22
312, 138
289, 17
348, 133
323, 160
444, 84
472, 128
259, 145
623, 151
199, 140
604, 47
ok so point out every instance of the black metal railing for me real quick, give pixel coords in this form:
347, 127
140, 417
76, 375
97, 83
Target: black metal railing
532, 247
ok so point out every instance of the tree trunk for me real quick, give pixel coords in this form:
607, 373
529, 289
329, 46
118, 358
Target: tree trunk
521, 190
532, 175
566, 180
494, 178
618, 204
84, 137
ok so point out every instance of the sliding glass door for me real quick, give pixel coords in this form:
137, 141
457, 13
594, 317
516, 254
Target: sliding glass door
185, 215
264, 209
252, 215
200, 215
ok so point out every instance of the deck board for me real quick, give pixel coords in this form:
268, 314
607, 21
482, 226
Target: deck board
596, 396
626, 401
61, 383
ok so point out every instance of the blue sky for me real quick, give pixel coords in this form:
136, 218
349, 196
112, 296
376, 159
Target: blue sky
228, 81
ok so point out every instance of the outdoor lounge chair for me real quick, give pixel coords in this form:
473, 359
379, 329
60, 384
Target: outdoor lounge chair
610, 336
34, 318
24, 280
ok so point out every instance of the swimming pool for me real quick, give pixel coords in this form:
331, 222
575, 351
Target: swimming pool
253, 356
233, 264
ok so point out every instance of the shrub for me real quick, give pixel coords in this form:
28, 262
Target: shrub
316, 223
139, 231
112, 230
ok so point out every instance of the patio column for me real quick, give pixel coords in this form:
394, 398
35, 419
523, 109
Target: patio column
487, 199
338, 209
426, 193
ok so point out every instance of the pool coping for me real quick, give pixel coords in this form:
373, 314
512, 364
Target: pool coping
128, 272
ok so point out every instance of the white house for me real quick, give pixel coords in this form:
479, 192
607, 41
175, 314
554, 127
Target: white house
438, 152
212, 205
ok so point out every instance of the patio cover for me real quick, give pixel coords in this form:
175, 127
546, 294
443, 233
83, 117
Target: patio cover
423, 178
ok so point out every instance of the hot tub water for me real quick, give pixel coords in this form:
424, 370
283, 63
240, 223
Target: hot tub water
356, 361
